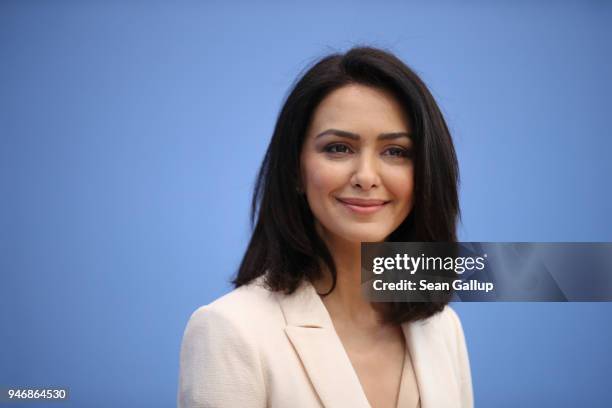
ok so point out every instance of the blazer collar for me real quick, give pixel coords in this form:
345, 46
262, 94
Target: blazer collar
311, 331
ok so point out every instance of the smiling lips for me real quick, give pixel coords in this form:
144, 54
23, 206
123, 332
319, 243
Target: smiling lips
361, 205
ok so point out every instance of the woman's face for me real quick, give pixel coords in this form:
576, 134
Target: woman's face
356, 165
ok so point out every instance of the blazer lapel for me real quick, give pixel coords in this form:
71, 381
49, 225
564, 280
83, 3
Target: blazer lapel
311, 331
433, 370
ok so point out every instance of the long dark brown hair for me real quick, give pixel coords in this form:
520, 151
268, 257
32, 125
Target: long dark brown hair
284, 242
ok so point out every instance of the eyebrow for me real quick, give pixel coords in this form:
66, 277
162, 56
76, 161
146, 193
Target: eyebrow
355, 136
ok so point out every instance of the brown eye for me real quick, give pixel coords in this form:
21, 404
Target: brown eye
337, 148
398, 152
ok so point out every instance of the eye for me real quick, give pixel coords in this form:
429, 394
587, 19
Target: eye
398, 152
337, 148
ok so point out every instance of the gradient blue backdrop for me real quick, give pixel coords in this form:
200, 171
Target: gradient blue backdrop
130, 134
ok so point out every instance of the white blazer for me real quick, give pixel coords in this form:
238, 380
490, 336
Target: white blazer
257, 348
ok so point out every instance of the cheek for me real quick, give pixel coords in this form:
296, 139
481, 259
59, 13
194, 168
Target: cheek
323, 178
401, 185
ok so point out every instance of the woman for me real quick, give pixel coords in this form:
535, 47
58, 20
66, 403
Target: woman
360, 153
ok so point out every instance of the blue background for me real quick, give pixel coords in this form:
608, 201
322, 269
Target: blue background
130, 133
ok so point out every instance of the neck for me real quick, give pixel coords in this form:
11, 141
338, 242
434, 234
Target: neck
346, 302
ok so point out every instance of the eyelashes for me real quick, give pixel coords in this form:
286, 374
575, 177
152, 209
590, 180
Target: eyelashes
336, 148
400, 152
341, 149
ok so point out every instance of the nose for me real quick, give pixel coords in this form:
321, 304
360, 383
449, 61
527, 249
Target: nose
365, 175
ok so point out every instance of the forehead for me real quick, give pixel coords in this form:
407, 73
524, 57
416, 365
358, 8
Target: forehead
360, 109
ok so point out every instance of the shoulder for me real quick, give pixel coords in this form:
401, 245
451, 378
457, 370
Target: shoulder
450, 318
445, 329
446, 321
243, 310
220, 352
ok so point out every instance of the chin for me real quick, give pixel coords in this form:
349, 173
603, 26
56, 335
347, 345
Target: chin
365, 236
355, 233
